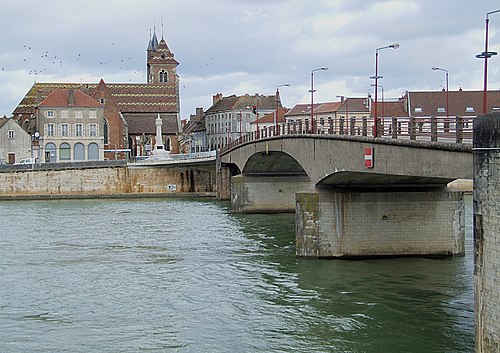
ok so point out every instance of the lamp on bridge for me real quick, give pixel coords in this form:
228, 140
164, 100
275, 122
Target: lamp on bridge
446, 71
486, 55
376, 77
278, 106
312, 95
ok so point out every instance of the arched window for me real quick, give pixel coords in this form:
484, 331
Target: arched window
105, 126
64, 152
50, 153
163, 76
79, 152
93, 151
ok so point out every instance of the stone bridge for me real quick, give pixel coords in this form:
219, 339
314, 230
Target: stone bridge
353, 195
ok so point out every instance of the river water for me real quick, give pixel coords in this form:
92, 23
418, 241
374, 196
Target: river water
185, 275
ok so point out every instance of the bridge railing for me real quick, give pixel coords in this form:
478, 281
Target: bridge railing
437, 129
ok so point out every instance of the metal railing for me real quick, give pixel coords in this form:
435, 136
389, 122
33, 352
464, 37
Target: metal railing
437, 129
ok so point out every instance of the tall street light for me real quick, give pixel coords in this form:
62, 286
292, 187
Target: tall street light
376, 77
277, 106
312, 95
485, 55
446, 71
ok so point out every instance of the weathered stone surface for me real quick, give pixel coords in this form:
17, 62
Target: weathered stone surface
333, 223
487, 232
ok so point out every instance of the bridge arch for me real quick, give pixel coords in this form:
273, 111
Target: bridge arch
273, 163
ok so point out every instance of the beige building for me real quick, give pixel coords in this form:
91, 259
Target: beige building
15, 143
70, 126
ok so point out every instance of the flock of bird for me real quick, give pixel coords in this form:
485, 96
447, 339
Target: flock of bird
39, 62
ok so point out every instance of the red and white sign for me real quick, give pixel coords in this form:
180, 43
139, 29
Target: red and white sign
368, 157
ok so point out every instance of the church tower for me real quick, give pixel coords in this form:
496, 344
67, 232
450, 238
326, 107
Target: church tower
162, 66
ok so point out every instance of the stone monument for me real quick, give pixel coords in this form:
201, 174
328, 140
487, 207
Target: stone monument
159, 152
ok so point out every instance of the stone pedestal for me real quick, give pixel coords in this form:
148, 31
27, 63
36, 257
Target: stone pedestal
487, 232
361, 223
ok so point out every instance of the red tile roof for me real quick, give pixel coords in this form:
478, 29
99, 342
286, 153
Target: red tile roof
63, 97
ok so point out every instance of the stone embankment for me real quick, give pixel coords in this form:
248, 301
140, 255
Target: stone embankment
106, 179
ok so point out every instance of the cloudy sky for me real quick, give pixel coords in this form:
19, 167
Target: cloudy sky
250, 46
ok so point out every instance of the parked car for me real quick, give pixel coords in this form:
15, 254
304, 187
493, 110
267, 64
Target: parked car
30, 160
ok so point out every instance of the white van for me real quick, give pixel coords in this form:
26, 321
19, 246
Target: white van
30, 160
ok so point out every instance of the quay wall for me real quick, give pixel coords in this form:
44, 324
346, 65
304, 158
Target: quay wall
487, 232
107, 180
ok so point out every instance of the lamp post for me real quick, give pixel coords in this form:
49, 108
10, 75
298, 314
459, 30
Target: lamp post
312, 95
376, 77
276, 128
485, 55
447, 92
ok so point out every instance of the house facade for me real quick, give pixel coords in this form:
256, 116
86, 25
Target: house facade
130, 109
70, 126
230, 117
15, 143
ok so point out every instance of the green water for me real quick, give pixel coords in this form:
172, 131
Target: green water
187, 276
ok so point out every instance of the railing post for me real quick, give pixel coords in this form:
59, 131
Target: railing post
411, 128
341, 126
330, 126
459, 128
365, 126
433, 129
394, 128
352, 124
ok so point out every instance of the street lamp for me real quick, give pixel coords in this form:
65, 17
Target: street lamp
376, 77
485, 55
446, 71
277, 106
312, 95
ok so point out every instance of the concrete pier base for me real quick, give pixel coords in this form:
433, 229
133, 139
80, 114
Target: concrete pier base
265, 194
487, 232
333, 223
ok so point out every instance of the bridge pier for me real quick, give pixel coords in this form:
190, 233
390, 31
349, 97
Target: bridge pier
261, 194
487, 232
351, 223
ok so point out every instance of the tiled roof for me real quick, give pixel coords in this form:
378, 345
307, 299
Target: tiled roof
269, 118
62, 97
138, 97
246, 101
461, 103
355, 105
146, 123
392, 109
301, 109
328, 107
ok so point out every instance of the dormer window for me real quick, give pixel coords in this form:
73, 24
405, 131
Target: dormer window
441, 110
469, 109
418, 110
163, 76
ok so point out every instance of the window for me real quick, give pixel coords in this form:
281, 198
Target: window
65, 152
418, 110
441, 110
11, 134
64, 114
92, 114
469, 109
64, 130
105, 131
79, 152
93, 151
50, 130
50, 114
93, 130
163, 76
78, 129
102, 101
78, 114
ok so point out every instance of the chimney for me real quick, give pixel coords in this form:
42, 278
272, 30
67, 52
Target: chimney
217, 97
71, 97
199, 113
